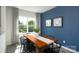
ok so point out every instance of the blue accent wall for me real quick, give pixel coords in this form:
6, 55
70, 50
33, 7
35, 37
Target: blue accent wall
70, 30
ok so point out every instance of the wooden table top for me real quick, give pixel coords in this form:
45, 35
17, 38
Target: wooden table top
37, 42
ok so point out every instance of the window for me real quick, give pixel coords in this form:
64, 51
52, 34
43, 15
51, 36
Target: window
22, 24
26, 24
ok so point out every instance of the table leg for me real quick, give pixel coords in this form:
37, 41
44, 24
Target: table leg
39, 50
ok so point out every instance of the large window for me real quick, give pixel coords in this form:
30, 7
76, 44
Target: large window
26, 24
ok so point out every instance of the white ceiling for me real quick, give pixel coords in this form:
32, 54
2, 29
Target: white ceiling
36, 9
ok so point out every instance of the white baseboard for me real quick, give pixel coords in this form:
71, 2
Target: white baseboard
67, 50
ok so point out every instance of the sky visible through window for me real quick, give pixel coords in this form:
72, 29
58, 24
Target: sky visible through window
23, 20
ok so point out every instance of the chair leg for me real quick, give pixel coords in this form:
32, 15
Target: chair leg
20, 48
24, 48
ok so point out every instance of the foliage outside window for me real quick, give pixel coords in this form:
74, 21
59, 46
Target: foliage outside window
36, 30
31, 25
22, 27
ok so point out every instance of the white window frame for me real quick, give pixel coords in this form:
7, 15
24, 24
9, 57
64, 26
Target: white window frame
26, 24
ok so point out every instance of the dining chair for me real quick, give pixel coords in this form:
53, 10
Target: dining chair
30, 47
23, 43
53, 48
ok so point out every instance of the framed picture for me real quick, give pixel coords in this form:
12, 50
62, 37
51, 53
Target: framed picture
48, 23
57, 22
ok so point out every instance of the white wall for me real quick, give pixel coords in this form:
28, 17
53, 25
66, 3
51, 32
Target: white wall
12, 17
8, 36
26, 13
9, 25
15, 17
3, 30
3, 19
2, 43
9, 17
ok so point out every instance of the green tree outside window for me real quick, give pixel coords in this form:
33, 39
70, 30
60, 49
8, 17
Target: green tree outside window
31, 25
22, 27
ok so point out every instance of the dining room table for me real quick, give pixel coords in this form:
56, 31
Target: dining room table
39, 42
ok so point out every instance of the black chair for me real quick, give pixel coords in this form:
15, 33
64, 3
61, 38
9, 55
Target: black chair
23, 43
56, 48
26, 45
30, 47
53, 48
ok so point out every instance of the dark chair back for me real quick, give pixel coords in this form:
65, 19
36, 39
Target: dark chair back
53, 48
22, 40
